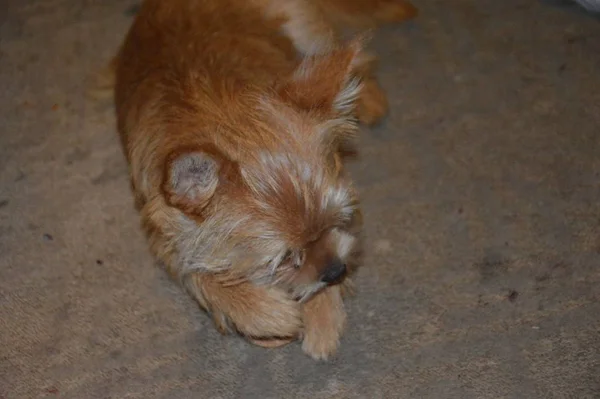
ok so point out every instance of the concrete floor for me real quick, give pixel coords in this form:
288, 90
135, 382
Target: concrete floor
481, 193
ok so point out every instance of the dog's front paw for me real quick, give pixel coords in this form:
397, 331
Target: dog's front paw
321, 344
255, 311
324, 319
372, 103
267, 313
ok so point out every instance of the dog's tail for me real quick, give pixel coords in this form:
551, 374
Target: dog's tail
366, 14
102, 84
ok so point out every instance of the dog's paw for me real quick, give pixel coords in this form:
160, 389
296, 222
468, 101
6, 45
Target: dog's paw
372, 103
254, 311
321, 345
267, 313
324, 320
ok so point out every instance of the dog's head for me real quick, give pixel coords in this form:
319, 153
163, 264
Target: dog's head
266, 198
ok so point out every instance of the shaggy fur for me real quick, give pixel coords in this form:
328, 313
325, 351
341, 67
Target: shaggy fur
233, 115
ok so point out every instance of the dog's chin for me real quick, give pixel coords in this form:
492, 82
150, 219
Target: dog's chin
303, 293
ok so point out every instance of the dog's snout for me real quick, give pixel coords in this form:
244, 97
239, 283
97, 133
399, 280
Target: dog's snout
334, 272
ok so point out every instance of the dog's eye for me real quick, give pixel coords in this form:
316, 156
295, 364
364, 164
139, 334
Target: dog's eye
280, 260
301, 257
290, 258
294, 257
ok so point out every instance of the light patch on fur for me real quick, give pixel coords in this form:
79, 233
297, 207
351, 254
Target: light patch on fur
338, 199
344, 243
285, 118
276, 261
345, 101
193, 176
304, 71
319, 194
305, 26
218, 246
337, 129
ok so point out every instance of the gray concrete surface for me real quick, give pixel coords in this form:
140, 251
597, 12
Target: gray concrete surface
481, 193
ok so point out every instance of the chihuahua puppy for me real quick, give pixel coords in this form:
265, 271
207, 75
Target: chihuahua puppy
234, 116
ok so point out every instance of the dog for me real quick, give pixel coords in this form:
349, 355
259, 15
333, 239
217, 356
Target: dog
234, 116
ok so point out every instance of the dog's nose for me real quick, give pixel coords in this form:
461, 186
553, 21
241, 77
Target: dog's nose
334, 272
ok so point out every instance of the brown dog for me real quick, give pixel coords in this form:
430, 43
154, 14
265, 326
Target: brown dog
233, 115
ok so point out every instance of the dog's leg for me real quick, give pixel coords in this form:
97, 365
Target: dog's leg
263, 314
372, 104
324, 318
254, 311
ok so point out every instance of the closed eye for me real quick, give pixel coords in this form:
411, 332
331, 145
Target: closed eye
276, 262
295, 258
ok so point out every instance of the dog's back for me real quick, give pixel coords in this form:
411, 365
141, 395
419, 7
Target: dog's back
184, 55
221, 44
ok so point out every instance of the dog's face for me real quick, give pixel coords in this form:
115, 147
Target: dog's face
269, 201
300, 213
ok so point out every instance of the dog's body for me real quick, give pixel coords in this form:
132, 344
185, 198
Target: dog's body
233, 142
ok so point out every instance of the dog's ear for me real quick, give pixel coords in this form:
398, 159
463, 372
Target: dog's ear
192, 176
327, 83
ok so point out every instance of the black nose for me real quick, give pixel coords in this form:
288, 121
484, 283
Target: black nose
334, 272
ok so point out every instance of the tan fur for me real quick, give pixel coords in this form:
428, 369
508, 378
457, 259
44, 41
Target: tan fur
233, 115
324, 319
